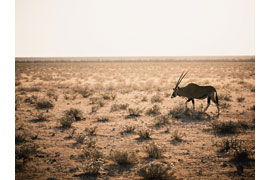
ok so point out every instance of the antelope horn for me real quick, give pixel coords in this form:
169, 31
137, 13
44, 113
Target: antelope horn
181, 78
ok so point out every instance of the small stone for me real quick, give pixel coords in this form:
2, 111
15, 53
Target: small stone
137, 150
53, 134
224, 165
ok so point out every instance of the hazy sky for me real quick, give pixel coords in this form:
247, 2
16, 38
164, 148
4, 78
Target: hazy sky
134, 27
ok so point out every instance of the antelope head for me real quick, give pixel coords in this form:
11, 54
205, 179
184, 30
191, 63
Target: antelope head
176, 89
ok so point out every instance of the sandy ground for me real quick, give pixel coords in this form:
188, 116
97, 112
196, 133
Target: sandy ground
58, 154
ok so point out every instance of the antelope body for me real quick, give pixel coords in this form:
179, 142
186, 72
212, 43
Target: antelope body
193, 91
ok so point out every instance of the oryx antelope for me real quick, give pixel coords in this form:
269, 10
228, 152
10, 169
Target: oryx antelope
193, 91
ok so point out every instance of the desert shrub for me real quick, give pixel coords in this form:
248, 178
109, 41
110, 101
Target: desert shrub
157, 170
122, 157
129, 129
94, 109
20, 137
154, 151
252, 89
144, 99
41, 117
177, 136
241, 155
225, 97
225, 105
144, 133
177, 112
92, 153
162, 120
31, 100
44, 104
52, 94
240, 99
92, 167
66, 121
76, 113
226, 127
154, 111
90, 142
25, 151
109, 96
17, 83
84, 91
134, 112
252, 108
116, 107
91, 131
79, 138
102, 119
228, 145
97, 100
156, 99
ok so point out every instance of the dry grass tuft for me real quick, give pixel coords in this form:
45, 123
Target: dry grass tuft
44, 104
134, 112
122, 157
117, 107
156, 99
162, 120
154, 151
75, 113
178, 112
154, 111
156, 170
177, 136
144, 133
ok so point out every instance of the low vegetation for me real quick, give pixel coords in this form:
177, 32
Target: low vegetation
44, 104
122, 157
154, 111
154, 151
157, 170
144, 133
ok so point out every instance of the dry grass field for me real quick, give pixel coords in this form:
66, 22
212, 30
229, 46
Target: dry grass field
116, 120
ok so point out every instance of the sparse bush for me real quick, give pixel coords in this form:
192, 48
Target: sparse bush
25, 151
144, 133
154, 111
90, 142
122, 157
177, 136
92, 167
44, 104
157, 170
129, 129
226, 127
177, 112
144, 99
154, 151
31, 100
20, 137
92, 153
76, 113
252, 108
156, 99
240, 99
116, 107
102, 119
94, 109
66, 121
91, 131
79, 138
41, 118
97, 100
225, 105
109, 96
51, 94
162, 120
134, 112
84, 91
225, 97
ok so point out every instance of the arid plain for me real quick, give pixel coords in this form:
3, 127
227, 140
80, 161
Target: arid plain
116, 120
